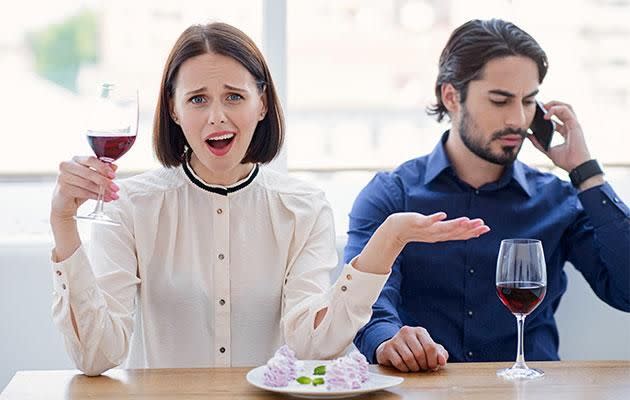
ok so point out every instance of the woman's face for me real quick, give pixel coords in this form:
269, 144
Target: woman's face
217, 105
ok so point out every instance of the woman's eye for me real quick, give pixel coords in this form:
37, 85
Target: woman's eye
197, 99
234, 97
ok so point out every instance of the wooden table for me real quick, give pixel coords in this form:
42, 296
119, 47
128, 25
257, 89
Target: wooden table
563, 380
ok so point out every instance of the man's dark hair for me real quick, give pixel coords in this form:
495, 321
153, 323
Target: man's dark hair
469, 49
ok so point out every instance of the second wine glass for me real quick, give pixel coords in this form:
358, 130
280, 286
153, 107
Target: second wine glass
521, 283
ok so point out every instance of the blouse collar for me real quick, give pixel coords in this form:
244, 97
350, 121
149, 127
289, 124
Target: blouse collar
218, 189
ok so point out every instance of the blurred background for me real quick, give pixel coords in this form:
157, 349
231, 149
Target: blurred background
355, 78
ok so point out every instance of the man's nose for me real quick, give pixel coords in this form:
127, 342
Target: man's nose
516, 117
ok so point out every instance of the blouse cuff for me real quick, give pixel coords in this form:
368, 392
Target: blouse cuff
72, 275
360, 288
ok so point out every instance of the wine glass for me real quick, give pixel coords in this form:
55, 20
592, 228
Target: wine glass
521, 285
111, 128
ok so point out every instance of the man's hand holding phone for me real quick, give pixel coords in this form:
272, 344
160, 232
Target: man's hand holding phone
573, 151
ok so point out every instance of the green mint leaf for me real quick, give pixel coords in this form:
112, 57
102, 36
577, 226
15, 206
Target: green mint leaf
320, 370
318, 381
304, 380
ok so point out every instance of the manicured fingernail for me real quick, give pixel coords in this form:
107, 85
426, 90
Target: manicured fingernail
114, 187
114, 196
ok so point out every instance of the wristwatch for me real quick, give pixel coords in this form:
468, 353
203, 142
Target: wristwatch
584, 171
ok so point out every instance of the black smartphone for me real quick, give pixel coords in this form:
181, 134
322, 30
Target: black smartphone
542, 128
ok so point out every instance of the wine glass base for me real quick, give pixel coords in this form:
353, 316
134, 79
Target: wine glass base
520, 373
94, 218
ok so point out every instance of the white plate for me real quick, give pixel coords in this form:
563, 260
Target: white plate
374, 383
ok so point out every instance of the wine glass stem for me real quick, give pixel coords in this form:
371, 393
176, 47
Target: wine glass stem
520, 358
99, 200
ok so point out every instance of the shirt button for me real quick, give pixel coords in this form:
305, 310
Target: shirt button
221, 256
470, 354
222, 302
344, 288
476, 191
616, 199
58, 273
222, 350
63, 286
349, 277
604, 202
470, 313
471, 271
219, 211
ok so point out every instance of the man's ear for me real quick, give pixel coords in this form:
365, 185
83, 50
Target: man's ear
450, 98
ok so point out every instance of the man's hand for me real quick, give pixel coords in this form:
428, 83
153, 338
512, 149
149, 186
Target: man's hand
412, 349
573, 151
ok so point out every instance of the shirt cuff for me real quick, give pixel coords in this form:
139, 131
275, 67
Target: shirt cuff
603, 205
374, 336
72, 275
361, 288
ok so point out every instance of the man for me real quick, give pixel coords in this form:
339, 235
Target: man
440, 300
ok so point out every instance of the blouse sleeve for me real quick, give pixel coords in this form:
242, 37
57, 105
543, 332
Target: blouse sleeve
308, 290
100, 291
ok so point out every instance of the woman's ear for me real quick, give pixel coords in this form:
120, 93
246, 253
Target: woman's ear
450, 98
171, 111
263, 102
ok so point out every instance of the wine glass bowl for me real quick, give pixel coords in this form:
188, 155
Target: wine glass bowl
521, 284
111, 129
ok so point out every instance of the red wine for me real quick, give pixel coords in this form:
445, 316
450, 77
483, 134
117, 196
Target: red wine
110, 148
521, 297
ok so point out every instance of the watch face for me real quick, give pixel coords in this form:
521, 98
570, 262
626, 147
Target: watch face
584, 171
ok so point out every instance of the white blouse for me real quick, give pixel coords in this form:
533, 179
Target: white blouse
209, 276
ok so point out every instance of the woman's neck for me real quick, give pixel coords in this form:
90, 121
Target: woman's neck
222, 178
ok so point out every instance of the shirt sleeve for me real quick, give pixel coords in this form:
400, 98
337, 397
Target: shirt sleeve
598, 245
307, 290
382, 197
100, 292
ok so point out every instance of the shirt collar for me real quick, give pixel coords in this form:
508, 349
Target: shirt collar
218, 189
438, 161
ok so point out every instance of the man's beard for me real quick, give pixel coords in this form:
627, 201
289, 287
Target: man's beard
484, 151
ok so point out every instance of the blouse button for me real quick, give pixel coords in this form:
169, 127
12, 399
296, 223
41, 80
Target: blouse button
219, 211
344, 288
222, 302
222, 350
349, 277
63, 286
221, 256
58, 273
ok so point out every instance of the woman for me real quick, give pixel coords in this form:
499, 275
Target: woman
218, 260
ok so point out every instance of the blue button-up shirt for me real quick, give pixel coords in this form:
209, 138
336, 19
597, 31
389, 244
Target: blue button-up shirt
449, 288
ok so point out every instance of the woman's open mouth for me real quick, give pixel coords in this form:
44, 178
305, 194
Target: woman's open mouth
221, 143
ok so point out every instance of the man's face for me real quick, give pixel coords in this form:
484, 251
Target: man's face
499, 108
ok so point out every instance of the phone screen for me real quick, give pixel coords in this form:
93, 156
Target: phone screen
541, 127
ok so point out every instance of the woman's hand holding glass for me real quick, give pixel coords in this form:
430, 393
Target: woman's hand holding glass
80, 179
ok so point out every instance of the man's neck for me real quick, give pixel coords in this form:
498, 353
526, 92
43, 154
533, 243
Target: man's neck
469, 167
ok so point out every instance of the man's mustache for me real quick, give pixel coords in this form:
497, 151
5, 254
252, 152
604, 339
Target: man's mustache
510, 131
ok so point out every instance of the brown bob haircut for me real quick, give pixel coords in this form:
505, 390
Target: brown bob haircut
169, 141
